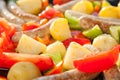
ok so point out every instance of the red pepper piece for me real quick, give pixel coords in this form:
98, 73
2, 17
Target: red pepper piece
77, 34
29, 26
81, 41
60, 1
98, 62
6, 44
45, 3
56, 70
2, 78
50, 13
5, 27
41, 61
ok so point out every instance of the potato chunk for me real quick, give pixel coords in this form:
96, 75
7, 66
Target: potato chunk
60, 29
30, 6
23, 71
30, 46
74, 51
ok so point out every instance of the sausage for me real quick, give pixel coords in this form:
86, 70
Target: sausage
20, 13
70, 75
88, 21
112, 73
8, 15
40, 32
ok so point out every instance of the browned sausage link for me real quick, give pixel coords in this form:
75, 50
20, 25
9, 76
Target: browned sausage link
7, 15
112, 73
40, 32
88, 21
20, 13
70, 75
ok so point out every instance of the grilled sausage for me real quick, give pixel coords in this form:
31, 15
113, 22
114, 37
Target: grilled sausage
112, 73
88, 21
8, 15
70, 75
20, 13
40, 32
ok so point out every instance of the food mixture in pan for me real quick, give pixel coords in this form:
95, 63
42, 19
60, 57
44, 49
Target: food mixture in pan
62, 40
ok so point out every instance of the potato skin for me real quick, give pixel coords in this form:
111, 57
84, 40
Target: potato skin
23, 71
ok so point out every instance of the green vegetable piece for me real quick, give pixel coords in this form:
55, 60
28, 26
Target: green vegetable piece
55, 56
93, 32
118, 61
73, 21
115, 32
96, 3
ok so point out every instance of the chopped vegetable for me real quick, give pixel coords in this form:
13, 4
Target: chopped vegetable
93, 32
23, 71
29, 26
105, 3
50, 13
2, 78
45, 3
5, 27
77, 34
60, 2
81, 41
74, 51
83, 6
56, 57
106, 12
30, 6
115, 32
60, 30
56, 47
73, 21
6, 44
97, 6
6, 32
56, 70
41, 61
98, 62
28, 45
104, 42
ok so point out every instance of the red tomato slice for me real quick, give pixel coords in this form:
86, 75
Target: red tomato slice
81, 41
98, 62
